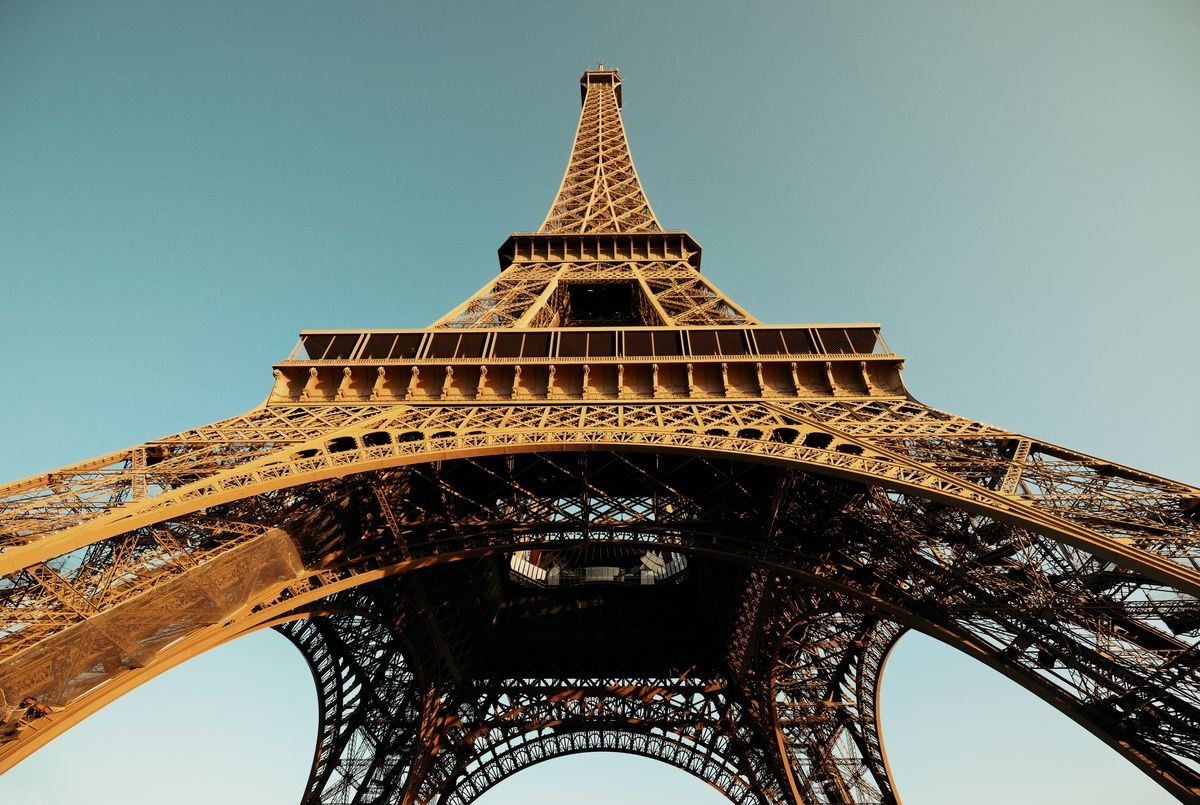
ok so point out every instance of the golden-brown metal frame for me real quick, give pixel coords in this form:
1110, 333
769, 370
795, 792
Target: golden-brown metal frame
389, 473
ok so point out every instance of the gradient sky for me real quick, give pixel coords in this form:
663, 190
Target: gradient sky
1012, 189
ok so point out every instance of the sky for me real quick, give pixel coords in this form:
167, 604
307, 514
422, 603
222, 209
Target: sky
1012, 189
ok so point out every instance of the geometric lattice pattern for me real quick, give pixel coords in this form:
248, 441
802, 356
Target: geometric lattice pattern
599, 507
600, 190
600, 194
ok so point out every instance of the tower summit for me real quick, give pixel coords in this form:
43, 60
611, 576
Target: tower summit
600, 256
600, 190
598, 506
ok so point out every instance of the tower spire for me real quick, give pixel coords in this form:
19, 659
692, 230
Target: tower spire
600, 258
600, 191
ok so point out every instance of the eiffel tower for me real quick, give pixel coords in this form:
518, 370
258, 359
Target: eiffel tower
599, 506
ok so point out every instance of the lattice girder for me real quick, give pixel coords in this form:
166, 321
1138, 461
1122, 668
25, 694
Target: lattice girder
974, 581
818, 659
403, 434
498, 726
532, 294
600, 191
369, 700
696, 724
775, 493
600, 198
43, 504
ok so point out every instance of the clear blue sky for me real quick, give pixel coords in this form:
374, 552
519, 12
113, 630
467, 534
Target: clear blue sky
1012, 189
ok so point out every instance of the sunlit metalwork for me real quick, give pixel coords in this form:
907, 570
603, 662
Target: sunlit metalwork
598, 506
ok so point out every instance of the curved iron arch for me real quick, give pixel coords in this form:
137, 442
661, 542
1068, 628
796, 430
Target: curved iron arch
869, 464
685, 757
1175, 778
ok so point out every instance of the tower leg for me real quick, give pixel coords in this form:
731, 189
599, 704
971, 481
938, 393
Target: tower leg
824, 689
371, 710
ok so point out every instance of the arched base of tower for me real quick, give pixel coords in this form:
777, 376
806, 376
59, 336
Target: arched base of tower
406, 717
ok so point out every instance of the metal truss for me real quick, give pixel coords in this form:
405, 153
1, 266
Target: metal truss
474, 733
600, 194
371, 706
449, 741
535, 295
600, 190
842, 563
825, 661
474, 565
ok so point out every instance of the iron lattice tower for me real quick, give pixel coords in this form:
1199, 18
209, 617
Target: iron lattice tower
598, 506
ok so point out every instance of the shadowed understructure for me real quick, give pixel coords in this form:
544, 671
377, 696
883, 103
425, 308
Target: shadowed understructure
599, 506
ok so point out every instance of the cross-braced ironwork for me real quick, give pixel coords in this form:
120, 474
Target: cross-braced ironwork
600, 507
